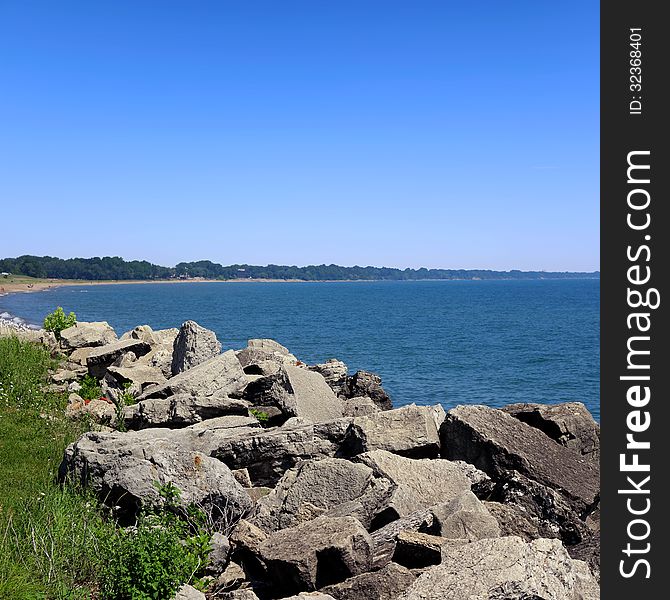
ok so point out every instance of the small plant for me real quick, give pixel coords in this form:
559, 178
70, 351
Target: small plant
58, 320
90, 388
126, 397
260, 415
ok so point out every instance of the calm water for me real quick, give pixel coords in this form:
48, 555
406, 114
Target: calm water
454, 342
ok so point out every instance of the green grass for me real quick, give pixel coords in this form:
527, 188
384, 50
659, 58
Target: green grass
49, 534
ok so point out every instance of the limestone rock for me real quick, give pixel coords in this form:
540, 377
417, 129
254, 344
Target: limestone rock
317, 553
386, 584
85, 334
570, 424
188, 592
411, 431
141, 332
192, 346
465, 518
335, 373
385, 538
139, 376
416, 550
219, 553
102, 357
361, 406
221, 376
364, 383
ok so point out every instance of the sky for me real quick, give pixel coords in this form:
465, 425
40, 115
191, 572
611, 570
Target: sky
371, 132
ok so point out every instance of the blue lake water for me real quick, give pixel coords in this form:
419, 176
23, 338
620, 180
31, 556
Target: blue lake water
454, 342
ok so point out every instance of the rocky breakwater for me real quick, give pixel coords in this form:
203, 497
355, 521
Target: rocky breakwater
318, 488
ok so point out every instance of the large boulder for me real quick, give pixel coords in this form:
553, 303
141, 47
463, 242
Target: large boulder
138, 376
464, 518
364, 383
386, 584
141, 332
192, 346
102, 357
335, 373
332, 486
497, 443
84, 334
570, 424
505, 569
385, 538
316, 553
262, 352
411, 431
182, 410
126, 471
297, 392
420, 483
220, 376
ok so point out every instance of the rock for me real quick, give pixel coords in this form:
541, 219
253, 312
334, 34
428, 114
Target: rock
245, 542
141, 332
260, 354
74, 387
268, 454
310, 596
80, 355
317, 553
362, 406
85, 334
139, 376
219, 553
386, 584
385, 538
420, 483
464, 518
63, 376
126, 360
497, 443
100, 411
242, 594
102, 357
187, 592
364, 383
513, 520
335, 373
233, 576
296, 392
411, 431
182, 410
221, 376
504, 569
417, 550
570, 424
124, 469
193, 346
330, 485
242, 476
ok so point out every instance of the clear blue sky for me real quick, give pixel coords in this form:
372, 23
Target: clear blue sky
413, 133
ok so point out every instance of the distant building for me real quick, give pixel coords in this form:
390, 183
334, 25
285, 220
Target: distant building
5, 275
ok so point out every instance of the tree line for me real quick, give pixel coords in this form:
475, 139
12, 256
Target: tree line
116, 268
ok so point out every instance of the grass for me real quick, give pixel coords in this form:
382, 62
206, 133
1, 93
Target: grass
49, 534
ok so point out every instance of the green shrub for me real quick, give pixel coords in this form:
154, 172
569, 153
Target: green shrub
90, 388
260, 415
58, 320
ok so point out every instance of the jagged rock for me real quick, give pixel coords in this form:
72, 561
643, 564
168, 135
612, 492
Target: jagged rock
63, 376
416, 550
87, 334
310, 596
221, 376
317, 553
183, 410
245, 542
411, 431
141, 332
268, 454
296, 392
386, 584
242, 594
421, 483
139, 376
101, 358
263, 357
188, 592
497, 443
219, 553
464, 518
315, 487
570, 424
100, 411
160, 356
193, 346
362, 406
122, 469
233, 576
364, 383
242, 476
504, 569
126, 360
80, 355
513, 520
335, 373
385, 538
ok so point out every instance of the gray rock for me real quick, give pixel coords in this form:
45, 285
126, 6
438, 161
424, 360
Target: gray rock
245, 542
183, 410
514, 520
101, 358
362, 406
219, 553
464, 518
335, 373
385, 538
188, 592
317, 553
124, 469
141, 332
139, 376
386, 584
221, 376
85, 334
421, 483
411, 431
416, 550
570, 424
80, 355
364, 383
241, 594
193, 346
497, 443
233, 576
310, 596
504, 569
315, 487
